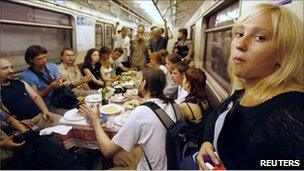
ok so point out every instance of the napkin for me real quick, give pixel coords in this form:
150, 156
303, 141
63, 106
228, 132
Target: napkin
60, 129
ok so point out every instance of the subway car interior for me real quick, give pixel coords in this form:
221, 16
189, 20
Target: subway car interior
152, 84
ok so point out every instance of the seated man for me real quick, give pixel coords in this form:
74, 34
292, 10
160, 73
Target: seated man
35, 153
36, 57
116, 63
22, 101
142, 128
178, 73
71, 72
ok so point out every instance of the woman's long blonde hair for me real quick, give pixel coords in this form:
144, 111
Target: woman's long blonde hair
288, 42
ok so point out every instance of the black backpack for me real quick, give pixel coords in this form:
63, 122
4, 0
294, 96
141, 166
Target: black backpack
175, 136
62, 97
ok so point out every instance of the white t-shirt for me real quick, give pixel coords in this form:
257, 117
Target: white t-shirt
145, 129
171, 86
163, 68
116, 64
124, 43
181, 95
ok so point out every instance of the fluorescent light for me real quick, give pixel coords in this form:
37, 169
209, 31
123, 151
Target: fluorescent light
150, 9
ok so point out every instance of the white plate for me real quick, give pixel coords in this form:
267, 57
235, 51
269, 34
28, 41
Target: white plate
93, 98
110, 109
120, 120
119, 98
73, 115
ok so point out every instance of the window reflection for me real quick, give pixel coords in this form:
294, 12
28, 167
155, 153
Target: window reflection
219, 38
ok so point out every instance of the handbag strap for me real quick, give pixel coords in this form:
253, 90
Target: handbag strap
40, 75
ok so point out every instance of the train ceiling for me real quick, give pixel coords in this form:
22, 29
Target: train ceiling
148, 12
177, 12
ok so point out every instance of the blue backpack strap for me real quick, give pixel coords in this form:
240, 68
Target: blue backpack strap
160, 113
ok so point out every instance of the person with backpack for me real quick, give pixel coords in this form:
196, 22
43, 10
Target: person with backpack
143, 127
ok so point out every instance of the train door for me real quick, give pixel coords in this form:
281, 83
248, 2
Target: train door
99, 35
108, 35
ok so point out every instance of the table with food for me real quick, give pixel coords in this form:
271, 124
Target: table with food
114, 103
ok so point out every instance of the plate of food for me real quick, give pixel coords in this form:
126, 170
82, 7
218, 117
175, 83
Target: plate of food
132, 92
120, 120
126, 78
110, 109
128, 73
132, 104
73, 115
93, 98
119, 98
128, 84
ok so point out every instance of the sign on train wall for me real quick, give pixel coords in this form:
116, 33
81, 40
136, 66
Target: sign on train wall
84, 34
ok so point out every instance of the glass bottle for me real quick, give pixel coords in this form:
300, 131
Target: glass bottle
104, 94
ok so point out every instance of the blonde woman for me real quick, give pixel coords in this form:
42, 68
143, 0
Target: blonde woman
263, 119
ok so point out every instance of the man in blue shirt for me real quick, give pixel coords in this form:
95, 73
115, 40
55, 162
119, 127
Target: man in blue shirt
36, 57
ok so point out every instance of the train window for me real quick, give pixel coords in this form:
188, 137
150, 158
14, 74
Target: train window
192, 33
98, 36
23, 13
218, 39
108, 37
23, 26
16, 39
12, 11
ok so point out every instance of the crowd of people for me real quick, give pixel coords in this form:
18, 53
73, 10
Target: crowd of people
263, 114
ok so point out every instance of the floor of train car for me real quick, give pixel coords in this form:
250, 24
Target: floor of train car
91, 159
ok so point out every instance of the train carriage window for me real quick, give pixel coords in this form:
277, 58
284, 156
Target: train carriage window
218, 39
23, 26
98, 36
23, 13
192, 33
108, 37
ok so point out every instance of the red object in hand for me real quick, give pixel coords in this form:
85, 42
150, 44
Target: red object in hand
219, 167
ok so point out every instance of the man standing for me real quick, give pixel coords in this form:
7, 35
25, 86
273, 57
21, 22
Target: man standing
139, 49
184, 46
142, 128
22, 101
123, 41
158, 42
